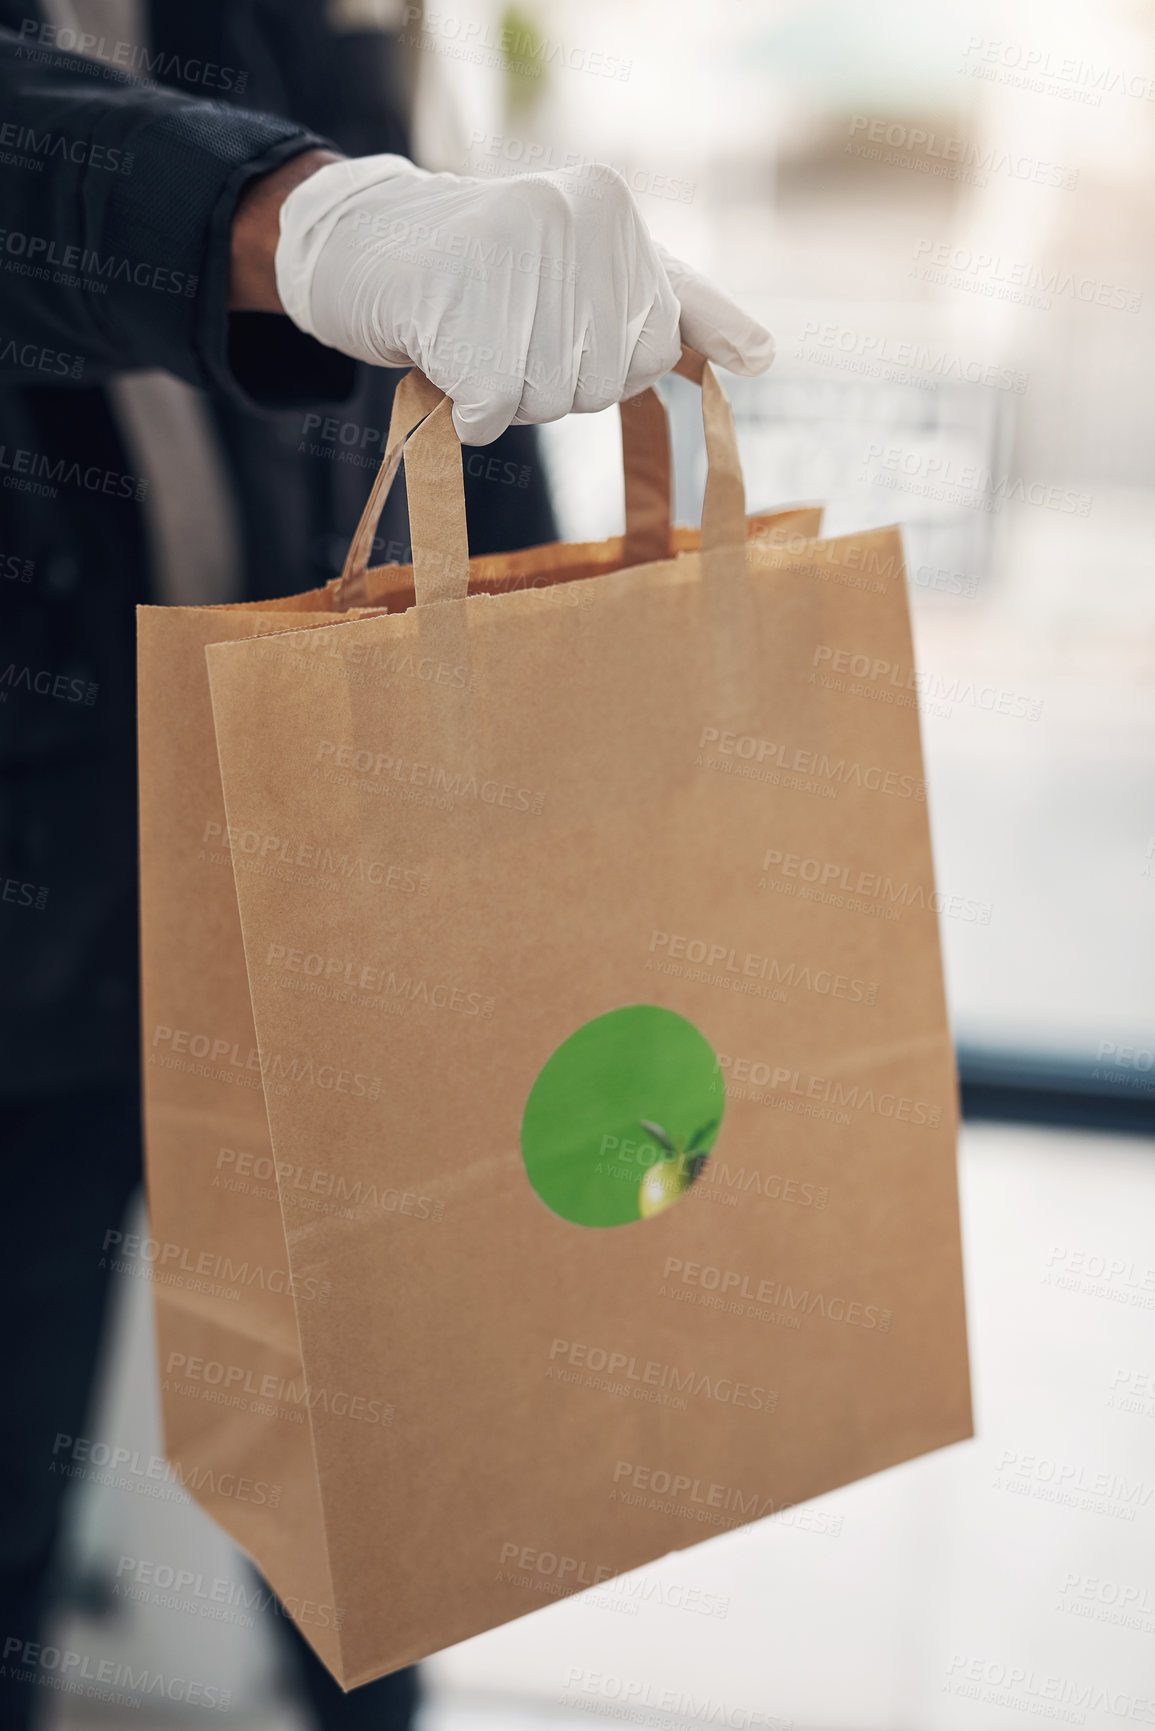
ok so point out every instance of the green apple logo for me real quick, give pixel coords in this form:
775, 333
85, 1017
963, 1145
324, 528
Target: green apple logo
622, 1117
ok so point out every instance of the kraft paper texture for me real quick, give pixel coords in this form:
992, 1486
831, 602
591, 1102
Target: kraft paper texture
402, 840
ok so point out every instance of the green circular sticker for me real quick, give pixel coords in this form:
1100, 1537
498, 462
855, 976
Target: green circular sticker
622, 1117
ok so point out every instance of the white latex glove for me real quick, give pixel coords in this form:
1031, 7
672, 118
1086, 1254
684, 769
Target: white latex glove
523, 298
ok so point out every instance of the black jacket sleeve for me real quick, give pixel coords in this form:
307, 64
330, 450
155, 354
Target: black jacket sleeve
114, 247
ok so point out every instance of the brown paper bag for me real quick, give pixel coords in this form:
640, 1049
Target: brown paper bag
609, 1079
239, 1408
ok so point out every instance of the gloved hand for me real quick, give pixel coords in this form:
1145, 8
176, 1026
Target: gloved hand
523, 299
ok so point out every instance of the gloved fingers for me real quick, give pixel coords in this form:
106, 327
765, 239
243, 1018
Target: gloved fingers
531, 272
658, 343
714, 324
551, 370
616, 357
484, 405
627, 336
481, 380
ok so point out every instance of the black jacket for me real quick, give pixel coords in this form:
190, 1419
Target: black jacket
118, 195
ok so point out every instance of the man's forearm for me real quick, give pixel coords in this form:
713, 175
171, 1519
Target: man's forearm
256, 229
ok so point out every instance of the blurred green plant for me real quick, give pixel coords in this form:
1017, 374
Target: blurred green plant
522, 52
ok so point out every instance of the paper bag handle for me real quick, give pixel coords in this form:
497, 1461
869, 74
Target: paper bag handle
646, 460
421, 430
414, 399
723, 537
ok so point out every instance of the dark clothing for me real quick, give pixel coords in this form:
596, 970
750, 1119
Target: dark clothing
114, 245
53, 1283
54, 1277
118, 195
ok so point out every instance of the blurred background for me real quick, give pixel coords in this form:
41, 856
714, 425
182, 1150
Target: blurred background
944, 214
